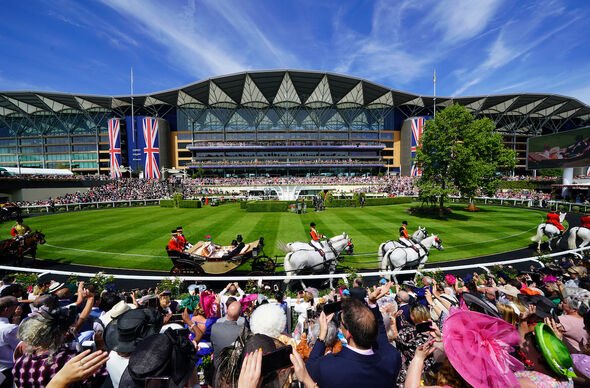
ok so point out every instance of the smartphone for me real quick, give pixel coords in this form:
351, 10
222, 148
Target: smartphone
330, 308
157, 382
424, 327
276, 360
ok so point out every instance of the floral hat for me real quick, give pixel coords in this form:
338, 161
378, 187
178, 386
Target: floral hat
479, 346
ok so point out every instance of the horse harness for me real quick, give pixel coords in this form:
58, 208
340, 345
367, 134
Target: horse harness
413, 262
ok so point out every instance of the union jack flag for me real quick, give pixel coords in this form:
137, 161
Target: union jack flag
115, 148
151, 150
417, 130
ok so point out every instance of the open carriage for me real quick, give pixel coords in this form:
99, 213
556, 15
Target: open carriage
205, 257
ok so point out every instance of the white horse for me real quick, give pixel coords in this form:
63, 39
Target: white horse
419, 235
581, 233
550, 231
400, 257
303, 256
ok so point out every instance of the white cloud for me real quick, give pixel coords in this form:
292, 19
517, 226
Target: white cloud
459, 20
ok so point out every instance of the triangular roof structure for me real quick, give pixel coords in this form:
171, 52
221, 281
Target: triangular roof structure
151, 101
384, 101
87, 105
252, 96
321, 96
219, 98
117, 103
501, 107
27, 108
354, 98
287, 96
186, 99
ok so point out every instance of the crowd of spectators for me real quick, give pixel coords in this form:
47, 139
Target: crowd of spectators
510, 329
140, 189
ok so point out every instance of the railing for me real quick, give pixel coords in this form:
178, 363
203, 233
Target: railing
88, 205
484, 266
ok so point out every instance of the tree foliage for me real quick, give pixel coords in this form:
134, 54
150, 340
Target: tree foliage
461, 154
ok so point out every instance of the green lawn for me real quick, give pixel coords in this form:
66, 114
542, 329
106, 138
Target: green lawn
136, 237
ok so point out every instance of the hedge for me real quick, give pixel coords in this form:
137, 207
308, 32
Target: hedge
268, 206
167, 203
387, 201
342, 203
190, 203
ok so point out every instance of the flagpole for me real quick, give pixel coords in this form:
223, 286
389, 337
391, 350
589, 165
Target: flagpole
132, 162
434, 99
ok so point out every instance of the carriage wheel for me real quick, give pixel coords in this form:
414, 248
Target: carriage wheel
264, 264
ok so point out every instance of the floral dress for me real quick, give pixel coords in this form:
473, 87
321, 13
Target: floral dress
407, 341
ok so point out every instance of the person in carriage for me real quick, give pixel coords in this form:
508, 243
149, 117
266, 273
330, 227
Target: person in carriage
182, 238
585, 220
316, 238
175, 244
553, 219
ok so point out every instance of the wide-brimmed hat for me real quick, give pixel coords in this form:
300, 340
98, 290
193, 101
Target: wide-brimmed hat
124, 333
170, 354
545, 306
509, 290
479, 346
53, 287
582, 364
577, 270
475, 301
554, 351
119, 309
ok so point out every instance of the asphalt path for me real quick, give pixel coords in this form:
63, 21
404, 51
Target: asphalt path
127, 284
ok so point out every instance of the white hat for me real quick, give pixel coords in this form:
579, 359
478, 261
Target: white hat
116, 311
55, 286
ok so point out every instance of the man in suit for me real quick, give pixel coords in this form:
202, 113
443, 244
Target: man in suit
224, 334
368, 360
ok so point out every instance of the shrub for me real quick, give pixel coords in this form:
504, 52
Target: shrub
267, 206
243, 204
576, 209
387, 201
189, 203
167, 203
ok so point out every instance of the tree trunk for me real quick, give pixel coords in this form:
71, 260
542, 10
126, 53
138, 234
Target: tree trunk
441, 201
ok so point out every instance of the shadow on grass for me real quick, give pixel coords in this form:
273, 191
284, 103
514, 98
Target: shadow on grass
434, 213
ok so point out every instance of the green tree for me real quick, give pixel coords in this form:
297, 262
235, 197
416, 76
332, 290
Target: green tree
460, 153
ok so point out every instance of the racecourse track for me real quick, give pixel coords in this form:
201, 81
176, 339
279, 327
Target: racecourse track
573, 219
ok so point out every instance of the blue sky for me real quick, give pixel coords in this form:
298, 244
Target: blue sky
478, 47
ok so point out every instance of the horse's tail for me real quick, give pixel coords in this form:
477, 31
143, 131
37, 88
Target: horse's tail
283, 246
288, 267
380, 252
536, 238
571, 240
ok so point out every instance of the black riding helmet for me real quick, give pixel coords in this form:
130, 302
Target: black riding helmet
312, 224
404, 222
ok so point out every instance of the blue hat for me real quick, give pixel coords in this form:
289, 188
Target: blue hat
383, 281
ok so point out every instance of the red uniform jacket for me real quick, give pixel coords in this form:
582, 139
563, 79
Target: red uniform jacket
181, 240
315, 236
175, 245
585, 221
13, 232
553, 218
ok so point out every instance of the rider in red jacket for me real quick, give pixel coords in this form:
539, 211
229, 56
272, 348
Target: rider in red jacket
553, 219
585, 222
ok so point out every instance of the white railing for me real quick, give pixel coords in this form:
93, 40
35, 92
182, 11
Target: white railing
233, 278
88, 205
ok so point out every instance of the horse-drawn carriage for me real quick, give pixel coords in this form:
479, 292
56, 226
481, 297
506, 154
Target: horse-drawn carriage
205, 257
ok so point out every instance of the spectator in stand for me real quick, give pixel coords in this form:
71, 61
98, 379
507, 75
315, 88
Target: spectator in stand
231, 290
8, 336
358, 291
224, 333
368, 360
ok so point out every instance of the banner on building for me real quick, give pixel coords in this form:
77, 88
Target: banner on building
115, 148
151, 150
417, 124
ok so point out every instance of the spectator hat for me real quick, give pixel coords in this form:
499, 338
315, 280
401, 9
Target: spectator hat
481, 304
119, 309
479, 346
192, 288
509, 290
554, 351
124, 333
146, 298
545, 307
55, 286
170, 354
582, 364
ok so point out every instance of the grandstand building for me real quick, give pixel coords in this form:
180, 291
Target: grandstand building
277, 122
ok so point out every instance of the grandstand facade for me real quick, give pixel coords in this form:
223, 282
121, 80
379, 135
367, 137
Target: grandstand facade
273, 123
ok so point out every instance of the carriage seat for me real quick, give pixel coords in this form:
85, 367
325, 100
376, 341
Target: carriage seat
245, 249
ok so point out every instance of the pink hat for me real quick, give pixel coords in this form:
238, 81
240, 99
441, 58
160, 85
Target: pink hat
478, 347
450, 279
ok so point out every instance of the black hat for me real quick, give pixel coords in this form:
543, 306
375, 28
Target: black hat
170, 354
480, 304
545, 306
405, 222
312, 224
179, 228
124, 333
173, 231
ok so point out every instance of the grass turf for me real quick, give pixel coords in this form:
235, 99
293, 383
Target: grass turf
136, 237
